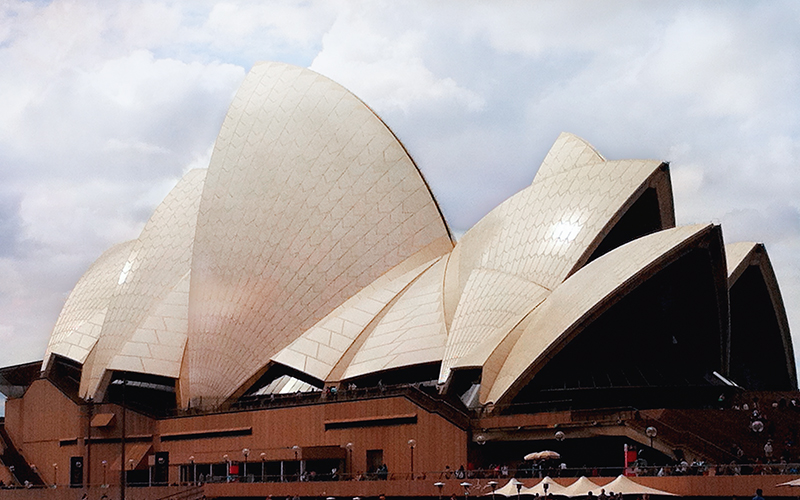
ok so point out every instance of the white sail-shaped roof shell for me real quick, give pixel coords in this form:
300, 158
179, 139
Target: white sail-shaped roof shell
742, 257
139, 324
595, 286
531, 243
309, 199
313, 245
81, 320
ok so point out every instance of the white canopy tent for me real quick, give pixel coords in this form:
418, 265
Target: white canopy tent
628, 486
507, 490
582, 487
553, 488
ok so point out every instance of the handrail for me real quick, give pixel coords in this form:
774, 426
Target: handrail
684, 432
414, 393
21, 471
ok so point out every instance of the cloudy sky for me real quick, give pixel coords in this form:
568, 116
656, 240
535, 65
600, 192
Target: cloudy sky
105, 104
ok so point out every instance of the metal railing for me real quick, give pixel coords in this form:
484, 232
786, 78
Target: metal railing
193, 486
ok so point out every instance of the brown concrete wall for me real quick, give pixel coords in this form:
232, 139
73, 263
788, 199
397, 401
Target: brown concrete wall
13, 419
276, 431
44, 417
40, 419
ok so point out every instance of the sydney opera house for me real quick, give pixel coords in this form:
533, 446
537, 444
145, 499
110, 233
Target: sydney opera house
301, 310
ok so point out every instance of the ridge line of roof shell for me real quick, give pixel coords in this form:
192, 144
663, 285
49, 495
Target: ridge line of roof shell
568, 151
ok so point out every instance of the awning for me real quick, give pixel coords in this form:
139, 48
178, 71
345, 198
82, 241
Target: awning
103, 420
135, 452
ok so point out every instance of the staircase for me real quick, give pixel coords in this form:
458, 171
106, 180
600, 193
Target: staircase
15, 462
713, 434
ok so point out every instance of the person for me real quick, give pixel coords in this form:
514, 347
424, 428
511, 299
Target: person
383, 472
447, 474
759, 495
461, 473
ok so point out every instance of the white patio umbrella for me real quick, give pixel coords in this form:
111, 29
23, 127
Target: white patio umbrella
543, 455
553, 488
582, 487
628, 486
796, 482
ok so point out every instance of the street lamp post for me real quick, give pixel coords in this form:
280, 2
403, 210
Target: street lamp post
349, 447
466, 486
651, 432
296, 449
226, 459
194, 470
412, 443
439, 485
245, 453
105, 465
263, 466
493, 485
55, 475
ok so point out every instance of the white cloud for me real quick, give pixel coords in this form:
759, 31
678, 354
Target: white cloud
284, 20
366, 52
106, 104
